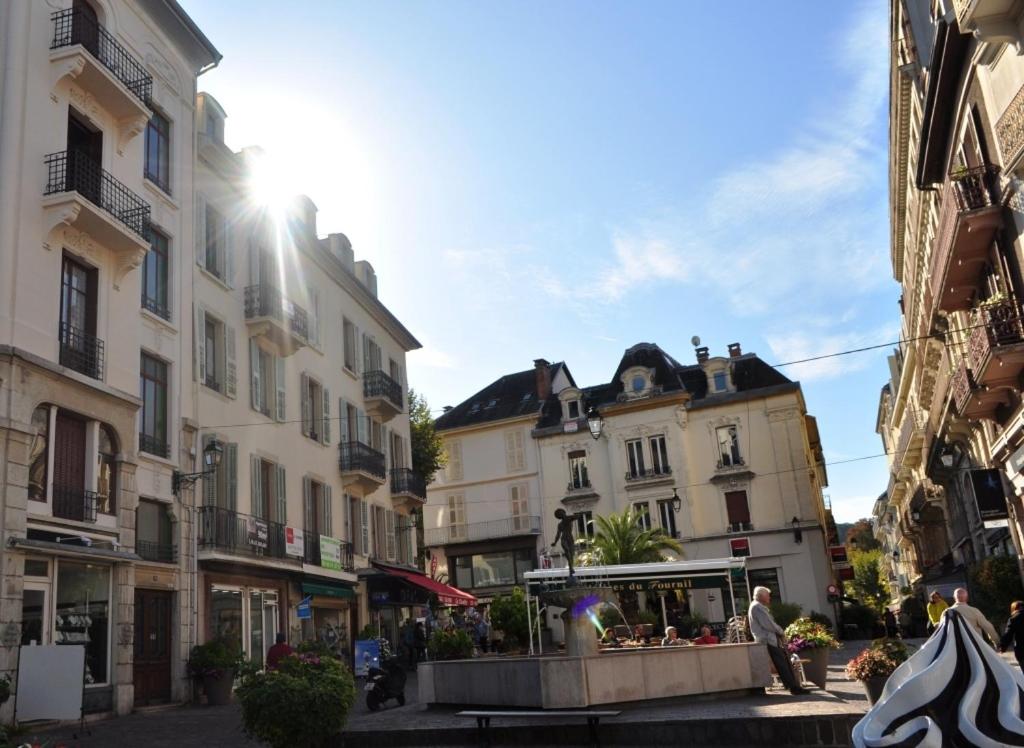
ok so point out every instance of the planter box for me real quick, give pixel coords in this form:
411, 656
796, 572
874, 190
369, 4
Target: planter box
817, 669
873, 687
218, 690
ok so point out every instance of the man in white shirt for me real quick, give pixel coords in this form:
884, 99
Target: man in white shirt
766, 631
974, 616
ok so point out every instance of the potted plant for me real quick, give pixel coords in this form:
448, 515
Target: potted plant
811, 641
215, 664
873, 666
5, 688
450, 645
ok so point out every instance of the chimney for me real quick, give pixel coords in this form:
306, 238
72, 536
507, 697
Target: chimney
341, 248
543, 369
702, 354
447, 408
734, 350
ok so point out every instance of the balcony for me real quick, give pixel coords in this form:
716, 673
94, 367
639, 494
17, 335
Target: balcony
968, 219
87, 54
651, 476
499, 528
740, 527
579, 493
995, 21
225, 531
162, 553
995, 350
911, 443
971, 401
383, 395
80, 194
74, 503
361, 466
407, 488
311, 553
271, 315
80, 351
154, 445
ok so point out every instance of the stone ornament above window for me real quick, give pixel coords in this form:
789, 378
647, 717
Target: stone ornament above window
637, 381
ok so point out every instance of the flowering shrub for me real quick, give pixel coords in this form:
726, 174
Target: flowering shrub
450, 645
213, 659
871, 663
804, 633
306, 702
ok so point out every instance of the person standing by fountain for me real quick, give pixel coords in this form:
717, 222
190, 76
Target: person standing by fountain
564, 533
766, 631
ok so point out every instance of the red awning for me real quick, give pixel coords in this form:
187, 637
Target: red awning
446, 594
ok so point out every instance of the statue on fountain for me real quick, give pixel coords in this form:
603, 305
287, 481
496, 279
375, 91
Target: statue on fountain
565, 528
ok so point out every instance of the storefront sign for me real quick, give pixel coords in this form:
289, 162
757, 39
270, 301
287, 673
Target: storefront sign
305, 610
988, 492
379, 597
655, 585
259, 532
330, 553
294, 542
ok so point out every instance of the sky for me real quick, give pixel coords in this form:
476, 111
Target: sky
564, 180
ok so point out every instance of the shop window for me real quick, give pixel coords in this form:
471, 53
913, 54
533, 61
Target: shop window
226, 614
82, 615
464, 572
765, 578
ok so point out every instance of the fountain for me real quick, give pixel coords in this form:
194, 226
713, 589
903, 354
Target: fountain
580, 640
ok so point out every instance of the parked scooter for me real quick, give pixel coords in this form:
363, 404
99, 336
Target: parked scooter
385, 682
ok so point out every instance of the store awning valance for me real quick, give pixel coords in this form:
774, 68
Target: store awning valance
328, 590
446, 594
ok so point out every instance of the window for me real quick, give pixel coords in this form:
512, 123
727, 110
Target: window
396, 371
519, 495
39, 454
349, 334
766, 578
153, 539
246, 615
635, 458
738, 511
515, 451
463, 572
158, 152
156, 276
728, 446
720, 381
585, 525
216, 349
220, 488
211, 344
578, 477
371, 355
79, 348
153, 416
380, 534
82, 615
106, 480
667, 515
574, 409
659, 456
456, 516
215, 239
643, 514
316, 410
269, 501
491, 569
454, 466
317, 510
267, 389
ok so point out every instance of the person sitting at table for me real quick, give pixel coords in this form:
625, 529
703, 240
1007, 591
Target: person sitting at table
672, 638
608, 638
706, 637
638, 635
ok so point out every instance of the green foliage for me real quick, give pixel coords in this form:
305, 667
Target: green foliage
861, 616
508, 615
861, 537
215, 657
784, 613
305, 702
896, 649
913, 607
869, 584
995, 583
804, 633
647, 616
820, 618
689, 626
450, 645
619, 539
370, 631
428, 455
316, 647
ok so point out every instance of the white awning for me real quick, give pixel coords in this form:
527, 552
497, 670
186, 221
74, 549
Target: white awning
652, 570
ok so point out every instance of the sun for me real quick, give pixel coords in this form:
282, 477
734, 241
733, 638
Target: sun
269, 183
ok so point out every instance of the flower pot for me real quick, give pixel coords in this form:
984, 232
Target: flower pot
218, 690
816, 670
873, 687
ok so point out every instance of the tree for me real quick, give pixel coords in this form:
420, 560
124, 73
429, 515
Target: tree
428, 455
862, 536
508, 615
869, 584
620, 539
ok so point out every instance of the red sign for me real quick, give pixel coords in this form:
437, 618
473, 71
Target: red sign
740, 547
433, 566
833, 590
838, 554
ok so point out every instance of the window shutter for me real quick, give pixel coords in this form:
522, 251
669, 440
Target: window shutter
385, 444
364, 519
314, 310
229, 254
280, 386
232, 487
328, 528
325, 430
230, 368
209, 480
256, 489
737, 507
307, 507
357, 360
307, 416
390, 533
342, 420
256, 386
455, 460
200, 345
200, 246
282, 498
361, 427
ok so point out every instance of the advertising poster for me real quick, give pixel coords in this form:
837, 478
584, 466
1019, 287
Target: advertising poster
330, 553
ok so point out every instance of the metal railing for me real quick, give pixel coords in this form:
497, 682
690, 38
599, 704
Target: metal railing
74, 503
1000, 325
379, 384
74, 26
81, 351
407, 481
733, 462
648, 473
164, 553
241, 534
160, 309
972, 188
154, 445
266, 300
740, 527
499, 528
962, 386
356, 456
578, 484
311, 552
75, 171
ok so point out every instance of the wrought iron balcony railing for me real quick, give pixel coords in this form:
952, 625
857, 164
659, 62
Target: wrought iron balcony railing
379, 384
649, 473
240, 534
740, 527
75, 26
578, 484
154, 445
164, 553
74, 171
266, 300
406, 481
527, 524
972, 188
81, 351
359, 457
74, 503
1000, 326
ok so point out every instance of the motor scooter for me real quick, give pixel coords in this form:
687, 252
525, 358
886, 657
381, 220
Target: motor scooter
386, 682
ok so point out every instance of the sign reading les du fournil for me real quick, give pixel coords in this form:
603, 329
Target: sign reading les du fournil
655, 585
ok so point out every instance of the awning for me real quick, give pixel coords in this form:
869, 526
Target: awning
446, 594
328, 590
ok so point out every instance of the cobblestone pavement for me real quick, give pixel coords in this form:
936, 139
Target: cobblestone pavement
188, 727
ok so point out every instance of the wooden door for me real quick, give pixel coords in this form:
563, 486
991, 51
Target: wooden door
152, 667
69, 467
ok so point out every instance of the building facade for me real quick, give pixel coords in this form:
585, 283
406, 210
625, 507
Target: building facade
720, 454
951, 416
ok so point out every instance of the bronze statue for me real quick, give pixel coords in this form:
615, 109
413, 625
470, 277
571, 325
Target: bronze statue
565, 528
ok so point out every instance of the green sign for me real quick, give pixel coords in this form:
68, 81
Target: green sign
327, 590
330, 553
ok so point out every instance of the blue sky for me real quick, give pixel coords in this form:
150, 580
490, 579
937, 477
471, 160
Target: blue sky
563, 180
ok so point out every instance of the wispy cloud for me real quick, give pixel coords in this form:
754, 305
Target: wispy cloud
790, 347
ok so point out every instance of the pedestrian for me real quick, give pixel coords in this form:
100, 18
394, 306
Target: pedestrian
974, 616
766, 631
483, 634
279, 651
420, 642
936, 607
1014, 633
409, 644
891, 629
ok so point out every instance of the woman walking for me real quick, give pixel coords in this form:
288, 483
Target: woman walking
1014, 633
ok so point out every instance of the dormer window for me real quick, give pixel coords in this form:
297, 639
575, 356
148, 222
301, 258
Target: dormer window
720, 381
574, 409
637, 381
571, 399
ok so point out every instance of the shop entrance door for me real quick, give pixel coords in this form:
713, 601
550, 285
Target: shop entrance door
152, 669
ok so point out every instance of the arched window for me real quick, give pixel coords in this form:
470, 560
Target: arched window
39, 454
106, 484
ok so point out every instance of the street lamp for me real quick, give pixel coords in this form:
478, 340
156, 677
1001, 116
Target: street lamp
896, 555
595, 423
798, 534
211, 460
677, 503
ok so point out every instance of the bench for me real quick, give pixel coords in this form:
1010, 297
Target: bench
483, 719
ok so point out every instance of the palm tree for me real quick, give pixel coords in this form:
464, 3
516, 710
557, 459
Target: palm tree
621, 539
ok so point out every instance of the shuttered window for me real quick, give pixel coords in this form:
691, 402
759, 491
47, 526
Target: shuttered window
519, 496
737, 507
515, 451
457, 515
454, 467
